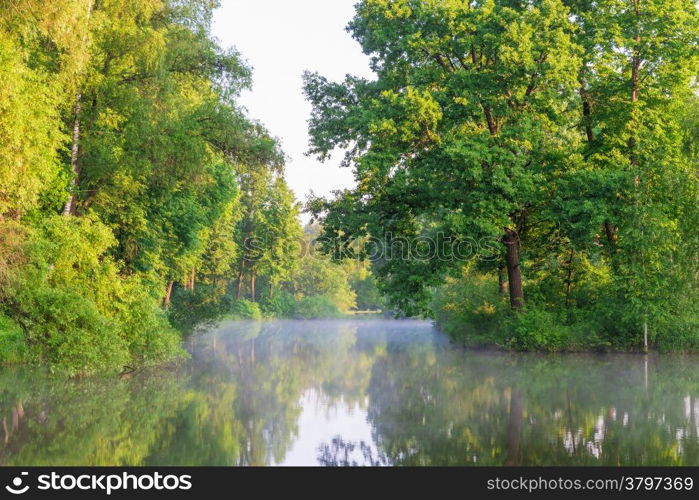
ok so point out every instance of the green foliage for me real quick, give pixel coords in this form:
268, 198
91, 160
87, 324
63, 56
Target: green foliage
13, 347
462, 133
280, 305
318, 276
537, 329
194, 308
40, 54
365, 287
566, 129
568, 126
471, 310
245, 309
76, 311
67, 331
124, 117
317, 306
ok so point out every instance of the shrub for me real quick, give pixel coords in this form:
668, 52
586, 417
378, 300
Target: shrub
316, 307
679, 333
145, 327
202, 306
68, 332
280, 305
470, 309
245, 309
13, 348
76, 310
535, 330
318, 276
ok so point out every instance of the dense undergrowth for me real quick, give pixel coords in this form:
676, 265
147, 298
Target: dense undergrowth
472, 311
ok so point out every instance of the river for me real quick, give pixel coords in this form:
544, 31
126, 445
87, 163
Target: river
357, 392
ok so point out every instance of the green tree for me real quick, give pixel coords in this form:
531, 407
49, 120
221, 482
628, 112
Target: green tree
123, 117
638, 75
282, 235
463, 131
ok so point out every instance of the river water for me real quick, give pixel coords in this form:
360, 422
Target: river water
357, 392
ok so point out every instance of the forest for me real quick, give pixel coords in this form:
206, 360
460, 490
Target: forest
536, 161
137, 198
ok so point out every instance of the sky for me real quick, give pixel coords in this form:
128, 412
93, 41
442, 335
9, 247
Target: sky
281, 39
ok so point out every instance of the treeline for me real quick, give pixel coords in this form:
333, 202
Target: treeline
560, 134
136, 197
292, 280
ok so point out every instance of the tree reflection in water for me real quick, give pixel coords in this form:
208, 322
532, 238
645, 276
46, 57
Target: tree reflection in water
241, 400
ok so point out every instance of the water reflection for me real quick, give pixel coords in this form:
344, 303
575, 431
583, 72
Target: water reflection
357, 393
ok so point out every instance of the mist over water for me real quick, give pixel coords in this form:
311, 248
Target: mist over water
357, 392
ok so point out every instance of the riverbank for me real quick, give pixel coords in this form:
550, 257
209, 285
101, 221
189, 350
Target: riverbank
17, 348
473, 312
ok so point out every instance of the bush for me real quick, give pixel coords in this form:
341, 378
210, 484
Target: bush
678, 333
76, 310
316, 307
245, 309
202, 306
67, 331
13, 348
318, 276
284, 305
470, 309
535, 330
145, 327
280, 305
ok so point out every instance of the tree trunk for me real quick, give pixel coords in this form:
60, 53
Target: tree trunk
514, 274
239, 282
492, 126
569, 276
15, 419
168, 294
633, 139
610, 231
192, 279
502, 280
609, 228
69, 208
587, 116
645, 336
252, 286
271, 289
635, 73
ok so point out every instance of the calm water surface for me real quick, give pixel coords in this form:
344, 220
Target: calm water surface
365, 392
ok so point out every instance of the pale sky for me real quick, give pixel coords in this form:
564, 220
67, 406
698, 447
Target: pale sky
280, 39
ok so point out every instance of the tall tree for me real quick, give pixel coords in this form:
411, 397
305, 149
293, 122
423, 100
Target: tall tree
465, 125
